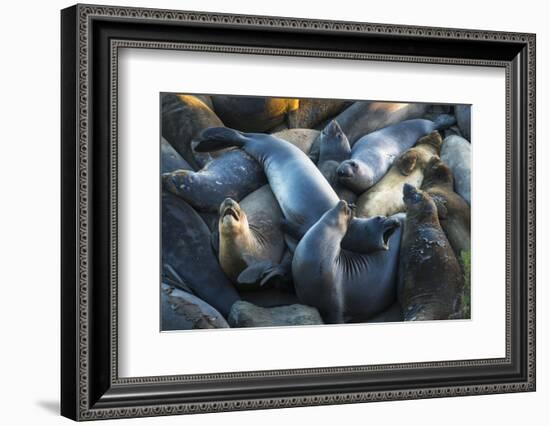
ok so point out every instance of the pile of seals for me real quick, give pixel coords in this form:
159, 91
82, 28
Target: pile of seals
305, 211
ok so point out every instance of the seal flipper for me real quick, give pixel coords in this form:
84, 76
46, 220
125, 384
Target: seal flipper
255, 272
444, 121
216, 138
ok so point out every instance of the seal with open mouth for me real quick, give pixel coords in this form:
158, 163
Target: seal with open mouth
347, 286
250, 237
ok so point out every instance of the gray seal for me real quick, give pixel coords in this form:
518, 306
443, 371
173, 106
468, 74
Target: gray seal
180, 310
188, 261
302, 192
430, 277
463, 117
457, 154
373, 154
170, 160
183, 117
334, 148
346, 286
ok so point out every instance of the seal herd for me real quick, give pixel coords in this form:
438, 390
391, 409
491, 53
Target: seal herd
280, 211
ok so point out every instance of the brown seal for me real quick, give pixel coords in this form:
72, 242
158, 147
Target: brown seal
453, 210
386, 196
430, 277
183, 117
250, 236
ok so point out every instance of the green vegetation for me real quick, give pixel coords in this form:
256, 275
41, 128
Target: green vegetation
465, 259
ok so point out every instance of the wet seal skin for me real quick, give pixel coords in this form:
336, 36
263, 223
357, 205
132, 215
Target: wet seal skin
386, 197
253, 114
334, 148
302, 192
430, 278
453, 210
457, 154
188, 261
373, 154
183, 117
250, 237
347, 286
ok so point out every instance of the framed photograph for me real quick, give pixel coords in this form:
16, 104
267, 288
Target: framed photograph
263, 212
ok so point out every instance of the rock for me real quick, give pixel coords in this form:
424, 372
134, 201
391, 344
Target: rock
300, 138
183, 311
244, 314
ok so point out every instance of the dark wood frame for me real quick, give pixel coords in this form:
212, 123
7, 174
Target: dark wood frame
91, 37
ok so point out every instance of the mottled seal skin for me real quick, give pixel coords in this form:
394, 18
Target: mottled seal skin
345, 286
430, 278
453, 211
363, 117
386, 196
463, 118
183, 117
334, 148
253, 114
312, 112
183, 311
250, 233
170, 159
187, 257
373, 154
232, 175
457, 154
302, 192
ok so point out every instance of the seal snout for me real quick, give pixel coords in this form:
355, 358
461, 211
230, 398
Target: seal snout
411, 194
347, 169
229, 208
390, 225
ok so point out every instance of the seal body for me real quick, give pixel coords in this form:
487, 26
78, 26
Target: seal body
346, 286
334, 148
183, 311
430, 278
183, 117
386, 196
302, 192
463, 118
300, 138
170, 159
457, 154
250, 233
253, 114
453, 210
373, 154
312, 112
188, 261
232, 175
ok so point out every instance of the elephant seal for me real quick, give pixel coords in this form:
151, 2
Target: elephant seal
253, 113
182, 118
334, 148
188, 261
250, 234
312, 112
183, 311
170, 159
373, 154
232, 175
386, 196
364, 117
300, 138
453, 211
463, 117
457, 154
302, 192
430, 278
346, 286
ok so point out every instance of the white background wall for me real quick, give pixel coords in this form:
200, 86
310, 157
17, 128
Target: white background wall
29, 212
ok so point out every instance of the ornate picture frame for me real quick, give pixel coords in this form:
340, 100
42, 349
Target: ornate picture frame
91, 37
